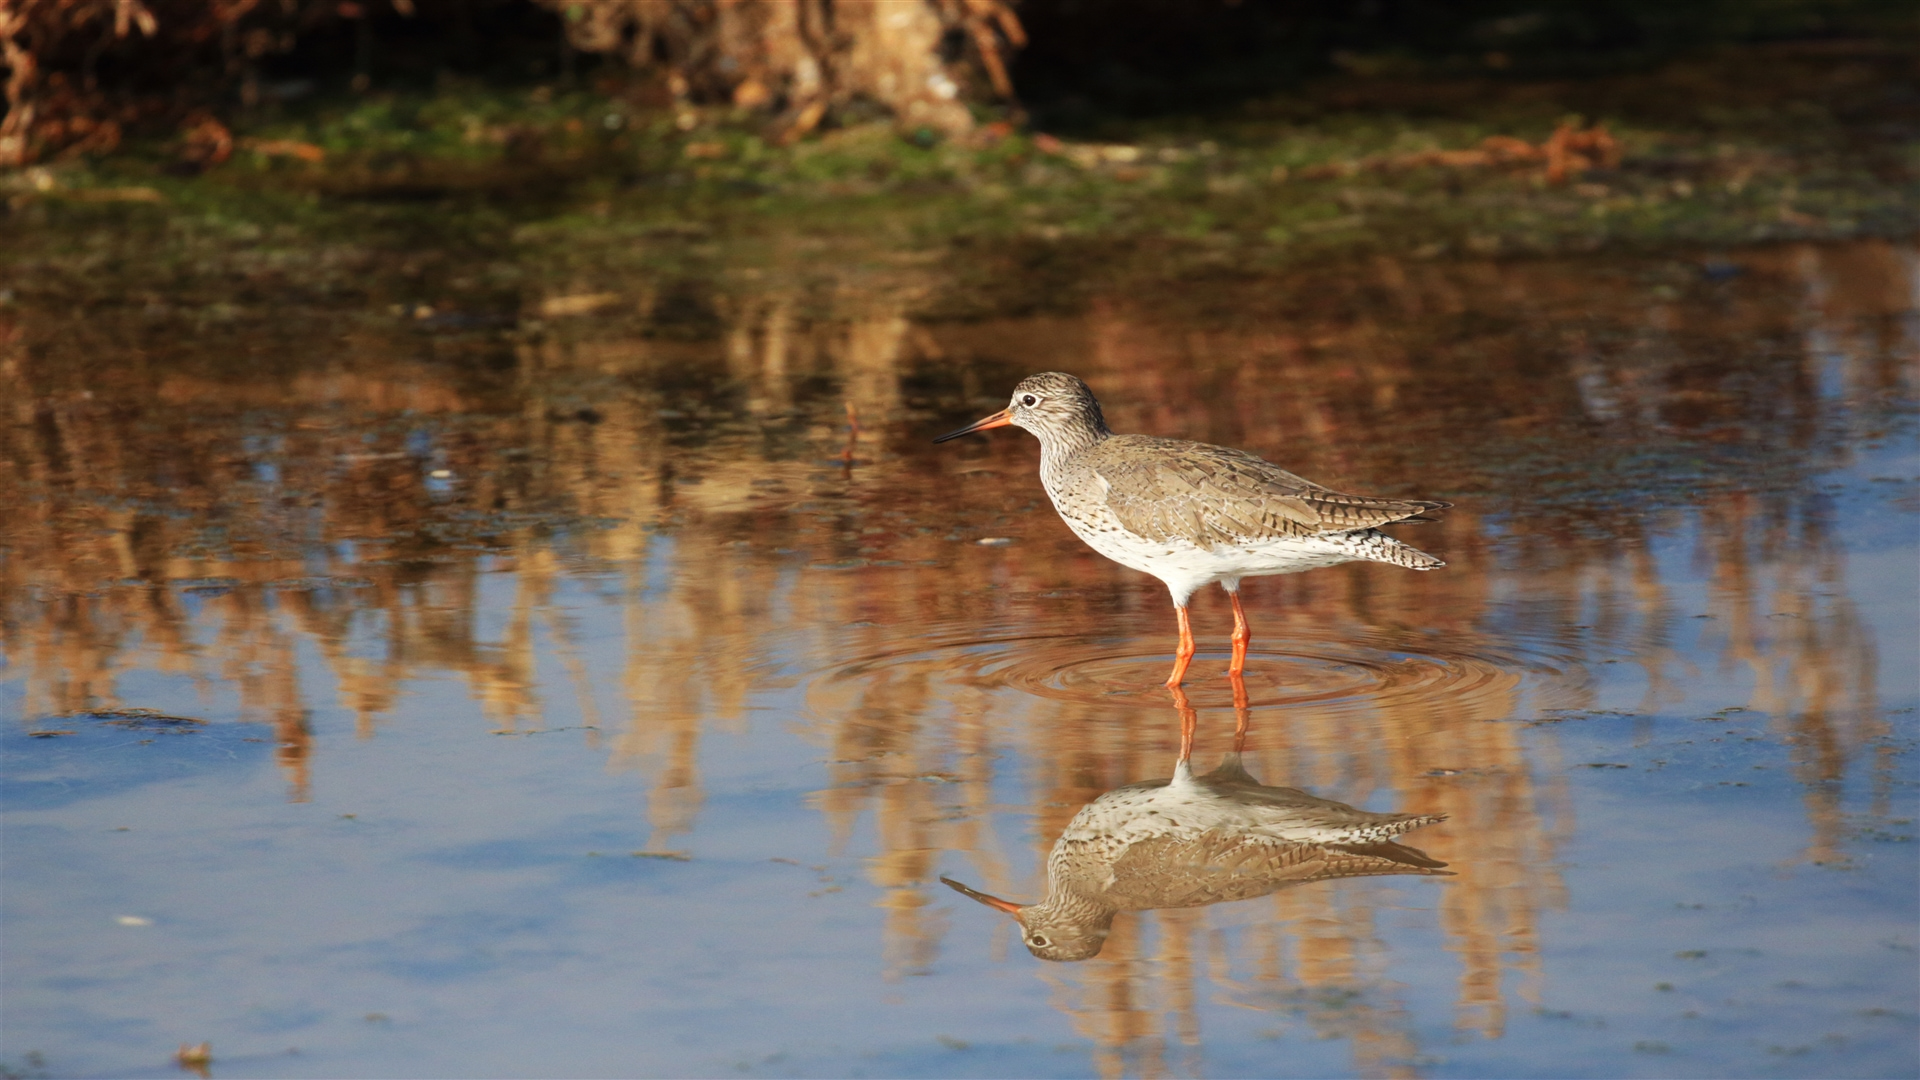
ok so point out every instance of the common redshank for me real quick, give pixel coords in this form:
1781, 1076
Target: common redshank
1191, 513
1193, 840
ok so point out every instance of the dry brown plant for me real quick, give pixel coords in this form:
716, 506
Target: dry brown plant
920, 60
171, 61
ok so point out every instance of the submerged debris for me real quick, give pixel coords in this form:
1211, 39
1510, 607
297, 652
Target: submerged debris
195, 1058
138, 720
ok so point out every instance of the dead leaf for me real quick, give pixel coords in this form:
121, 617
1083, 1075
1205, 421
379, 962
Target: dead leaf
120, 194
554, 307
751, 94
305, 151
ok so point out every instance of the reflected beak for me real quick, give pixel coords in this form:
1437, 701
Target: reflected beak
999, 419
1007, 906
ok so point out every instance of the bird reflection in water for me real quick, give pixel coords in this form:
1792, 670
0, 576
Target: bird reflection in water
1191, 841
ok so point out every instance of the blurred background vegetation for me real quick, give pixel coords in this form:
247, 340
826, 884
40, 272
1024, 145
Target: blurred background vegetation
83, 73
1163, 133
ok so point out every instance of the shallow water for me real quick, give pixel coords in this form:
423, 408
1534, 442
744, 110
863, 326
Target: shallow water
600, 686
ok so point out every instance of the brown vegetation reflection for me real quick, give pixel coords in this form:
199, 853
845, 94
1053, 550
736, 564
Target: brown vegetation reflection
288, 505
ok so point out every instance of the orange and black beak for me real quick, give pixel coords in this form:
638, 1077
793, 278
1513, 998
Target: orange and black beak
999, 419
995, 902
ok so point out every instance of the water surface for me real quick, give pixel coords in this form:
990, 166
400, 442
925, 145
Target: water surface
597, 680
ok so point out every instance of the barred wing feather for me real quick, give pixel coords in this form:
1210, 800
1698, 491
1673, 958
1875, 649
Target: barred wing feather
1163, 489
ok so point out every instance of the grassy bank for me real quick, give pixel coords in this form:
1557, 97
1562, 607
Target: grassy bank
1740, 145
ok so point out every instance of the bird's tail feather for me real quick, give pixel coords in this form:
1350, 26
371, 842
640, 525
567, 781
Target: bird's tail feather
1377, 546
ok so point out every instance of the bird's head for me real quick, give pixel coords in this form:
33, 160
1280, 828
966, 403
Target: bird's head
1047, 404
1050, 933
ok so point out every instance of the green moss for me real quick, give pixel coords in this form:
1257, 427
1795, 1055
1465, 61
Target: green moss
1726, 149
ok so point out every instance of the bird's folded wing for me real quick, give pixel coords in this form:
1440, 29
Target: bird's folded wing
1164, 489
1216, 867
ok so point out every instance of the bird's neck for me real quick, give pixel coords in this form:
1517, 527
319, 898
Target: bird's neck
1065, 904
1060, 444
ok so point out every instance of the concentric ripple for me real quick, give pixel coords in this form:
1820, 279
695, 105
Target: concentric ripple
1281, 673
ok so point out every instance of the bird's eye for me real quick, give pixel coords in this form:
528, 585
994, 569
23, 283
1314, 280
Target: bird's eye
1039, 941
1029, 401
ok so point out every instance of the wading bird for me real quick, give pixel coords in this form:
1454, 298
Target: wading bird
1191, 513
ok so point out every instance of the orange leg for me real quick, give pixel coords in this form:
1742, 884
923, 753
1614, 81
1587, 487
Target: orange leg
1184, 655
1242, 636
1189, 719
1240, 711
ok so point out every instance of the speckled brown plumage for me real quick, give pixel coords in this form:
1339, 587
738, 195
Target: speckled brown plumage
1193, 513
1209, 496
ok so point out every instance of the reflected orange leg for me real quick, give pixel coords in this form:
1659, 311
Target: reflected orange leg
1184, 654
1242, 637
1241, 717
1189, 719
853, 436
